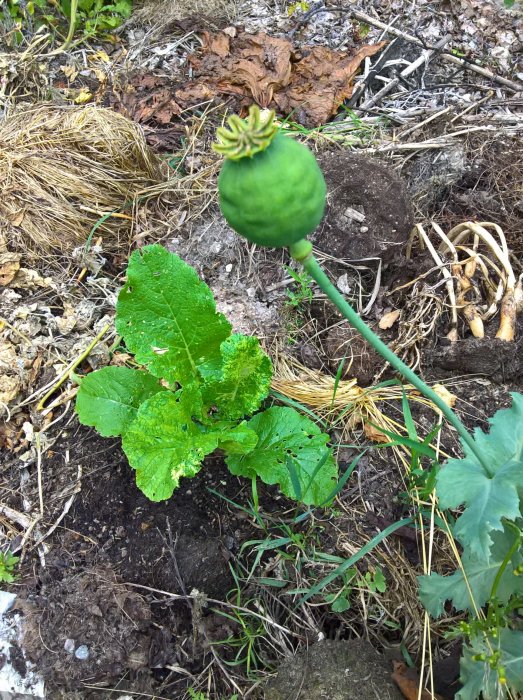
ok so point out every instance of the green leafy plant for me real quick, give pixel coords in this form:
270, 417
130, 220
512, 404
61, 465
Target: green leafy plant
301, 293
487, 482
197, 390
94, 16
7, 567
91, 17
198, 695
490, 529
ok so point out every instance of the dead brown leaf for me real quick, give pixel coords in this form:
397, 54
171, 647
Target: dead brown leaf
314, 82
447, 396
389, 319
311, 82
373, 433
18, 218
30, 279
321, 81
407, 680
9, 266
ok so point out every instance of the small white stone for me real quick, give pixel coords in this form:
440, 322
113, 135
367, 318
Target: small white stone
343, 284
82, 653
69, 646
228, 268
6, 601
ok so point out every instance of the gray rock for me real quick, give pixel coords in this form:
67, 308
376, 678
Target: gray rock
82, 653
329, 670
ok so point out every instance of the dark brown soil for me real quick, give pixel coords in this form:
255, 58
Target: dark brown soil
112, 536
372, 189
499, 360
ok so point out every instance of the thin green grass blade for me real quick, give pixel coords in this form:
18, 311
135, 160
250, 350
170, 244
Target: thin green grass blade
289, 463
407, 416
354, 559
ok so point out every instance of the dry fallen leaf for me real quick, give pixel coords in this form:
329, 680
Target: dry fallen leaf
8, 356
447, 396
9, 388
407, 680
17, 218
389, 319
311, 82
9, 266
83, 96
70, 72
30, 279
320, 82
373, 433
68, 320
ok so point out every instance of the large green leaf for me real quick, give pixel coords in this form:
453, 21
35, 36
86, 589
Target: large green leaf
109, 398
289, 451
165, 442
234, 438
504, 442
435, 590
477, 676
237, 386
489, 492
167, 316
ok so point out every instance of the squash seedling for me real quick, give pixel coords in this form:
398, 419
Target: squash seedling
272, 193
198, 388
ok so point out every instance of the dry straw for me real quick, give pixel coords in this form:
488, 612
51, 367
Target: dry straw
65, 170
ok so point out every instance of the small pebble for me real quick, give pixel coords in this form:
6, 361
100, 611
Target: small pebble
69, 646
82, 653
228, 267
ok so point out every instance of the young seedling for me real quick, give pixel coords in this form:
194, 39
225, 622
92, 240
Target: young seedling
273, 194
198, 389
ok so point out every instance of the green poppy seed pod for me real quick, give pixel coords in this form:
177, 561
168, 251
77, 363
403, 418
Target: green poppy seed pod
271, 189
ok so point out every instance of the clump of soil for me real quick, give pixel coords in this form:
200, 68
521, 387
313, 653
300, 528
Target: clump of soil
337, 670
84, 626
499, 360
361, 361
368, 211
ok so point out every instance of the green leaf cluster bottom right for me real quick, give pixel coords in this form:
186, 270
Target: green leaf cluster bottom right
490, 531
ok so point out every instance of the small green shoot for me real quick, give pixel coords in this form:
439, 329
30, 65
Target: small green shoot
302, 291
8, 563
375, 583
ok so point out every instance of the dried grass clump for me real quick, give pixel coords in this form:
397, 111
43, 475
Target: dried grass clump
64, 170
163, 13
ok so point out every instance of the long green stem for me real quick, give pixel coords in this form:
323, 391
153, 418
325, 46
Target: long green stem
513, 549
302, 252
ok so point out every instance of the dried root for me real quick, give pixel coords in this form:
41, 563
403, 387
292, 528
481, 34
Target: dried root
480, 281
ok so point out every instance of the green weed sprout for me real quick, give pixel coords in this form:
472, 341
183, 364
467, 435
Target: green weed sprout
272, 192
7, 567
